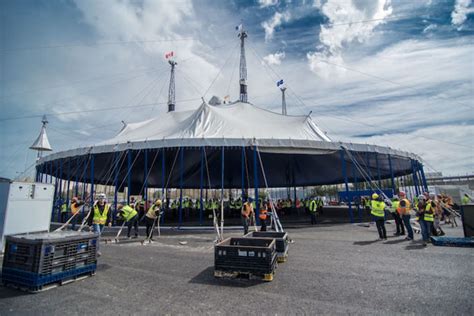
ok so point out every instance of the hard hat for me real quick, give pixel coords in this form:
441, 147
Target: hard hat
101, 196
158, 203
421, 197
375, 196
401, 193
74, 199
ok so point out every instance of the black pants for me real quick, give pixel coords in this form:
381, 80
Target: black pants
133, 222
380, 222
63, 217
398, 223
313, 217
149, 225
263, 228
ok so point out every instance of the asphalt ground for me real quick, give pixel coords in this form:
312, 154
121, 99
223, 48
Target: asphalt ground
331, 269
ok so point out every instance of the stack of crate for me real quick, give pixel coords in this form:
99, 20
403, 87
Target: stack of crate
33, 261
281, 242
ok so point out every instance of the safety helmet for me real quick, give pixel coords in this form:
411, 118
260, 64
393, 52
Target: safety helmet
74, 199
375, 196
421, 197
158, 203
401, 193
101, 196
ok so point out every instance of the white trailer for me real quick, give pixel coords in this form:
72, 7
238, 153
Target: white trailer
25, 207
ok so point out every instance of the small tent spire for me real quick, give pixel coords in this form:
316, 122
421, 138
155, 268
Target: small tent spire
42, 143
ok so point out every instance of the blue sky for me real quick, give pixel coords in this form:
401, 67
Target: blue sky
393, 73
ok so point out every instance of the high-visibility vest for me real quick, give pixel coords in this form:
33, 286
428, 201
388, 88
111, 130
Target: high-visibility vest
394, 207
238, 204
64, 208
99, 218
465, 200
75, 207
312, 206
128, 213
152, 212
378, 208
428, 216
404, 210
263, 214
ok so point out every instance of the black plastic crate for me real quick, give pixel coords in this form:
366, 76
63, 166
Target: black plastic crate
281, 239
50, 253
248, 255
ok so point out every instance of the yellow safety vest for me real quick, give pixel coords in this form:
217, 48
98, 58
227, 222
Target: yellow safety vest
377, 208
152, 212
99, 218
128, 213
312, 206
428, 216
394, 207
64, 208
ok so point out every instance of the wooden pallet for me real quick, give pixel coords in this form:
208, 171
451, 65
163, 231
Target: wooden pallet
267, 277
48, 286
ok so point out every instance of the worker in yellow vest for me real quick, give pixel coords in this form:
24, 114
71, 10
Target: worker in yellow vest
398, 220
313, 207
101, 216
378, 211
154, 213
129, 216
466, 199
404, 209
426, 219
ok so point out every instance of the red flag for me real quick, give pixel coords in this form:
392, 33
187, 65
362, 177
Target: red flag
169, 55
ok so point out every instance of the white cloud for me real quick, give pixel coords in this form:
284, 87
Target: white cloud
274, 59
430, 28
274, 22
345, 27
267, 3
460, 12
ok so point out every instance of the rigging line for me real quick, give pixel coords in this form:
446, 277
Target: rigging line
91, 110
94, 44
171, 172
158, 96
121, 161
390, 81
374, 20
234, 66
131, 166
191, 82
233, 50
246, 169
149, 170
207, 169
88, 80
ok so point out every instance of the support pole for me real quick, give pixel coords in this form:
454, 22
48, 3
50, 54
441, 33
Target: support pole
76, 180
68, 180
243, 172
392, 178
344, 173
55, 200
163, 170
201, 180
378, 171
367, 161
60, 181
145, 169
92, 180
181, 167
116, 177
222, 191
425, 183
255, 181
415, 180
129, 175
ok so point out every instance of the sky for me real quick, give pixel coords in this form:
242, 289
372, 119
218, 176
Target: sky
391, 73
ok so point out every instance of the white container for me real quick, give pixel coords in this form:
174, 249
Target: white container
25, 207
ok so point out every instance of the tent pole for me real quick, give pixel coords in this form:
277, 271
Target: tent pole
222, 192
55, 199
255, 180
181, 166
425, 183
201, 179
163, 170
116, 174
145, 192
243, 172
60, 182
68, 180
92, 180
415, 182
76, 179
392, 178
129, 175
344, 173
378, 171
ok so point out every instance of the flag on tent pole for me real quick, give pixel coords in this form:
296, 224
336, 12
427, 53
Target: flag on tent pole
239, 27
168, 55
280, 82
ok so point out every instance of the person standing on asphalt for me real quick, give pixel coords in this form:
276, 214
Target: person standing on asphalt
151, 217
378, 212
404, 209
398, 220
246, 214
263, 215
313, 206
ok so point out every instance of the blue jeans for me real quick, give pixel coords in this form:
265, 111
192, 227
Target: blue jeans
74, 222
425, 229
98, 228
406, 221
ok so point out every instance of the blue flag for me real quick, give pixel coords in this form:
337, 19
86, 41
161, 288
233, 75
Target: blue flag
279, 83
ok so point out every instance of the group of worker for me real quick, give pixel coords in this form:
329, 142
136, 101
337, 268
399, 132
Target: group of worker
429, 209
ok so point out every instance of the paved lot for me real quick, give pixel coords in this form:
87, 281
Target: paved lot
332, 269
